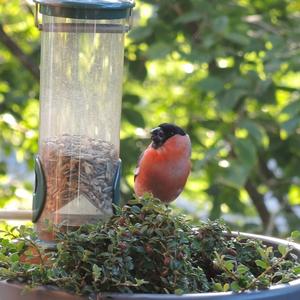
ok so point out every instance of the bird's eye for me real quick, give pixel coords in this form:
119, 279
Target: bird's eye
161, 133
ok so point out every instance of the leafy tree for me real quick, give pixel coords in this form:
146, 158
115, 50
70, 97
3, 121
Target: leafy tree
19, 57
227, 71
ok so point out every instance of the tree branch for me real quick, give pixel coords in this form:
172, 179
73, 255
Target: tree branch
258, 201
19, 54
269, 176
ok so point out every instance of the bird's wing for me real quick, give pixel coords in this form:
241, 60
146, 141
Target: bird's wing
137, 169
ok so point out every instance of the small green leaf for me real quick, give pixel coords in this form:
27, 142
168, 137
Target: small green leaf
268, 251
241, 269
283, 249
20, 246
246, 151
179, 292
218, 287
96, 272
262, 253
238, 38
291, 125
189, 17
229, 99
256, 131
220, 24
295, 235
235, 286
134, 117
136, 209
296, 270
131, 98
159, 50
229, 265
234, 176
211, 83
292, 109
226, 287
140, 282
6, 273
3, 258
14, 257
140, 33
262, 264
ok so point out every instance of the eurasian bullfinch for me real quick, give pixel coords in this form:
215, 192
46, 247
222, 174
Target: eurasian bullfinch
164, 167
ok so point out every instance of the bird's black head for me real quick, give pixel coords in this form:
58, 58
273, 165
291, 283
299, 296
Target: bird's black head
163, 132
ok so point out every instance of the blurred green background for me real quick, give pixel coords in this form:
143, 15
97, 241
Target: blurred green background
226, 71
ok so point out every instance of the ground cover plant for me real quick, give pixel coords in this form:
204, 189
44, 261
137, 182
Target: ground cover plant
146, 248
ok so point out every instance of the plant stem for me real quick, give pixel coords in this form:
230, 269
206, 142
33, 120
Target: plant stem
269, 269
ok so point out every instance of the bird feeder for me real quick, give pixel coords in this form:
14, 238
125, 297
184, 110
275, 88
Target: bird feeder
78, 167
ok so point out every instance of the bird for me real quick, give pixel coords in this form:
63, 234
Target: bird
163, 168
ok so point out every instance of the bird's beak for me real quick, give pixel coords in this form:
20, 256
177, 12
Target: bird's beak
155, 131
156, 135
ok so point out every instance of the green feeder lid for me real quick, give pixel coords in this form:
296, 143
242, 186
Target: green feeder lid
86, 9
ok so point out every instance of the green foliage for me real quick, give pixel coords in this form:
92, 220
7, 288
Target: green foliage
146, 248
227, 71
18, 96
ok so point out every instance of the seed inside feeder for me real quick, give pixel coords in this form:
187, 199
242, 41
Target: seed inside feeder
79, 173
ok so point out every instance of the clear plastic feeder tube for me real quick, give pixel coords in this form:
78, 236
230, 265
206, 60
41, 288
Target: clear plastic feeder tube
80, 107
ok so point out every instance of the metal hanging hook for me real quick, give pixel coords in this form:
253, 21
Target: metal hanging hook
36, 16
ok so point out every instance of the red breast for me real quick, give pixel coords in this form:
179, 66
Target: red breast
164, 171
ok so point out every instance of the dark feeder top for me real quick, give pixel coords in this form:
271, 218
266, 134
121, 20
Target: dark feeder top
86, 9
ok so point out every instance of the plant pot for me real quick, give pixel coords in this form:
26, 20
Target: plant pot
290, 291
